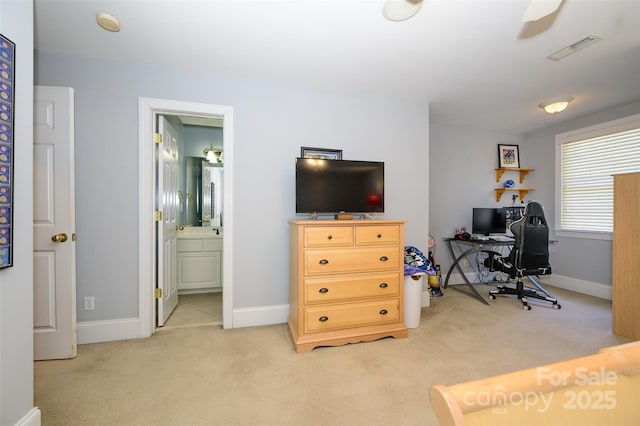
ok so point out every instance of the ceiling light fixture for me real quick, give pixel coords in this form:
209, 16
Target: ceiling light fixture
108, 22
401, 10
556, 105
213, 155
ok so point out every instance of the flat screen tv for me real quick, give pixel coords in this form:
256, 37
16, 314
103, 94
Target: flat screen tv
335, 186
487, 221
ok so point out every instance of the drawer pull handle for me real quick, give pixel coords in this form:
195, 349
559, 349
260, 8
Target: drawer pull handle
323, 318
379, 235
384, 285
324, 262
330, 237
383, 312
323, 290
384, 259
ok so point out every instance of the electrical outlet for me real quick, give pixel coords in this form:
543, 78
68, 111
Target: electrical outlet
89, 303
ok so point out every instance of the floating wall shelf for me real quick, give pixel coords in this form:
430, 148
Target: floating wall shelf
523, 173
522, 191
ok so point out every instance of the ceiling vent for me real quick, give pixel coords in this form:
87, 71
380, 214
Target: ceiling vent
584, 42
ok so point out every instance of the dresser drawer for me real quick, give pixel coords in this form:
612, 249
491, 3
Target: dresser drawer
331, 289
377, 234
351, 315
320, 262
328, 236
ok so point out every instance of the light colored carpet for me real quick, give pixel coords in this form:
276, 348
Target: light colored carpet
252, 376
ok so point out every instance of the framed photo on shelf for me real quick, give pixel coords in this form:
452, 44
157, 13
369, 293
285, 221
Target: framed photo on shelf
321, 153
508, 156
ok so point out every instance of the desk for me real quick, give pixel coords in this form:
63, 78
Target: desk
465, 248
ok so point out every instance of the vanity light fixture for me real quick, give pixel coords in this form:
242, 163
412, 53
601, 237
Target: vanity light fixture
556, 105
213, 155
108, 22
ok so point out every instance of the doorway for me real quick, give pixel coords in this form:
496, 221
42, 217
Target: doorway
148, 110
192, 204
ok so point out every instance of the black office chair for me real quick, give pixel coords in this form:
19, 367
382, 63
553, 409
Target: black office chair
528, 257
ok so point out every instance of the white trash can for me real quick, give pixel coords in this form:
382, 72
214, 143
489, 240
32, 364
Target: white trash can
413, 285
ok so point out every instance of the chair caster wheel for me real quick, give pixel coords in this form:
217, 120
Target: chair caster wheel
526, 307
492, 296
556, 306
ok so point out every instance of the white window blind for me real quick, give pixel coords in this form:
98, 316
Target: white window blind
587, 182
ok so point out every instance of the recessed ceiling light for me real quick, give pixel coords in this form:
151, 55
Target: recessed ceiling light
108, 22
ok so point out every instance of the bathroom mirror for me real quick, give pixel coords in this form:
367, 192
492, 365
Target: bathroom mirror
201, 196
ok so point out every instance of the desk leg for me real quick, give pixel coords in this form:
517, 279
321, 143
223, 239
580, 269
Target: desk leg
540, 288
456, 265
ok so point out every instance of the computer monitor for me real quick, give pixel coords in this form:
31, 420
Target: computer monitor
487, 221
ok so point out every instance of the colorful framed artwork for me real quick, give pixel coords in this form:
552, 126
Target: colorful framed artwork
321, 153
7, 107
508, 156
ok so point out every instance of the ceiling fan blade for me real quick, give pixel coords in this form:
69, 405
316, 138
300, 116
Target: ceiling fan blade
539, 9
401, 10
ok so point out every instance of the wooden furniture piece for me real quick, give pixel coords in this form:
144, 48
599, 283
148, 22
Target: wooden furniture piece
599, 389
521, 191
347, 281
626, 255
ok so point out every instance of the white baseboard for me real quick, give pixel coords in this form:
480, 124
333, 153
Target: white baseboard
107, 331
603, 291
260, 315
127, 328
32, 418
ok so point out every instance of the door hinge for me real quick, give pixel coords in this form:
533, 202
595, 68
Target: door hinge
158, 293
157, 138
157, 215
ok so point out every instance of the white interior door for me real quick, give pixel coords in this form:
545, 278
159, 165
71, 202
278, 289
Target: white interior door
167, 203
54, 256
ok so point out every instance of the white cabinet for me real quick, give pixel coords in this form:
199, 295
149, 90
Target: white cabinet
199, 264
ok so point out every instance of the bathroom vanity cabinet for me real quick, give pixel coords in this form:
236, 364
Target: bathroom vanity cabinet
199, 263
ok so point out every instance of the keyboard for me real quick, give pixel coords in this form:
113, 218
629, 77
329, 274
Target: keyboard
502, 238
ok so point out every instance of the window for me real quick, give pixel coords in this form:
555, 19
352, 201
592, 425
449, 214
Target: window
586, 159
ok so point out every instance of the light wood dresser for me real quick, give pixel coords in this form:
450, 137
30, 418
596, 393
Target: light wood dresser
347, 279
626, 256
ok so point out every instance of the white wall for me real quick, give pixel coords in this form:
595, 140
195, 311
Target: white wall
462, 163
462, 174
16, 283
271, 124
583, 259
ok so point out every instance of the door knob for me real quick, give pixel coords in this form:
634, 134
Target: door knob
59, 238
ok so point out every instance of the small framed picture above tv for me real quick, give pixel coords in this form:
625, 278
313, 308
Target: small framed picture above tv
321, 153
